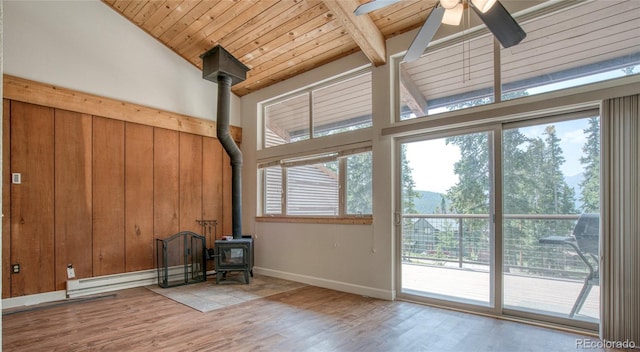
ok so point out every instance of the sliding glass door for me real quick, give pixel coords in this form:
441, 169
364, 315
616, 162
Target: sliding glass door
446, 206
551, 202
506, 219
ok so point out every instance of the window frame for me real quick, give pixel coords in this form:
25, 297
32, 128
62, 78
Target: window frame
309, 90
338, 146
340, 156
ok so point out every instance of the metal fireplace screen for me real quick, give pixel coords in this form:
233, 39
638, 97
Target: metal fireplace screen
181, 259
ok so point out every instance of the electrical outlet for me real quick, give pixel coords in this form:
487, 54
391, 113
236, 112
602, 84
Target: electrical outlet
71, 273
15, 268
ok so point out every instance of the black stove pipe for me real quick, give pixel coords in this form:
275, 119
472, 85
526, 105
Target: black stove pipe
230, 146
218, 65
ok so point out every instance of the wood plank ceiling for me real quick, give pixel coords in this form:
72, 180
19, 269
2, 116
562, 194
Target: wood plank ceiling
276, 39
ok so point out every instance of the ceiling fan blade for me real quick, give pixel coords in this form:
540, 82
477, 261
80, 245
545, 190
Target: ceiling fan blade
424, 36
502, 25
372, 6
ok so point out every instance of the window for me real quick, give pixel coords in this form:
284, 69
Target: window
302, 182
591, 42
273, 190
335, 107
315, 186
568, 44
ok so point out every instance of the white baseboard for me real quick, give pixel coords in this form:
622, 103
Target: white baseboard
330, 284
30, 300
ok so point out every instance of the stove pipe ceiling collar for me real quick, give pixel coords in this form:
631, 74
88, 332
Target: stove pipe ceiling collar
218, 61
219, 66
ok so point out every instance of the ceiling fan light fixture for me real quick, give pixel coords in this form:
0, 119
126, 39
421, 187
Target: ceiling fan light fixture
449, 4
453, 16
483, 5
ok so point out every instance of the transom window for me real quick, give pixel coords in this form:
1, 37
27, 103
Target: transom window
335, 107
570, 44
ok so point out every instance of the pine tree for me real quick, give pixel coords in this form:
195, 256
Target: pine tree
409, 194
553, 177
515, 176
359, 177
517, 193
470, 194
590, 185
558, 197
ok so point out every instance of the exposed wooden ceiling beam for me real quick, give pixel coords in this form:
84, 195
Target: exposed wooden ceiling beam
411, 94
361, 28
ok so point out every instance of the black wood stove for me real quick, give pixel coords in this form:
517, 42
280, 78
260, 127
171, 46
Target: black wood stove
234, 255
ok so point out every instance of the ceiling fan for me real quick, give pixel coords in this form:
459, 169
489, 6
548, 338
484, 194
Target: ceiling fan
503, 26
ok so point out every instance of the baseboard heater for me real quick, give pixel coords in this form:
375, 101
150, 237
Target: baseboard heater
108, 283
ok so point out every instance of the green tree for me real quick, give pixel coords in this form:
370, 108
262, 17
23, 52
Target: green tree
517, 195
470, 194
443, 205
516, 180
409, 193
533, 183
547, 189
552, 176
590, 185
359, 186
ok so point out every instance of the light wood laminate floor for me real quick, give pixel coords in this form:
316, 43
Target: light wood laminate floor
305, 319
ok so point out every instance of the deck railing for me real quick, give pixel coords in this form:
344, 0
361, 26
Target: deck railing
464, 241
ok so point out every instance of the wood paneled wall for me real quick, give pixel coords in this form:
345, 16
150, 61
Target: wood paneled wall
96, 192
32, 204
6, 200
73, 194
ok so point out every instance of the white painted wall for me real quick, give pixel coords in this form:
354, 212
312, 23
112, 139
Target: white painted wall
87, 46
352, 258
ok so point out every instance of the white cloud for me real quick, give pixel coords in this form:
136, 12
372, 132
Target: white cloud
432, 164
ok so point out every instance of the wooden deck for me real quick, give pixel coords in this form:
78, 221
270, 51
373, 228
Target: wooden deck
535, 294
306, 319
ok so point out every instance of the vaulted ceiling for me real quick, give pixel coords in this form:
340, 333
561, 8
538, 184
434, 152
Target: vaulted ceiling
276, 39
